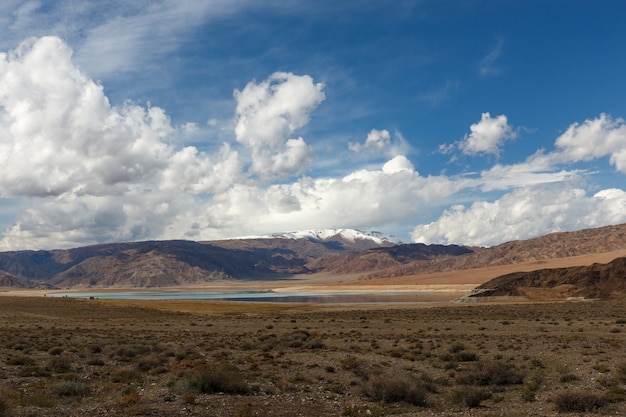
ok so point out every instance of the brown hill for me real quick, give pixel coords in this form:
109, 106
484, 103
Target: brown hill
377, 259
169, 263
552, 246
10, 281
186, 263
597, 281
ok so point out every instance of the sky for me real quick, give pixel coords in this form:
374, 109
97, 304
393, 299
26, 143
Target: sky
438, 121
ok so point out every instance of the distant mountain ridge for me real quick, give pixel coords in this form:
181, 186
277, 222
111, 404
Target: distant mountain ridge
337, 251
550, 246
182, 263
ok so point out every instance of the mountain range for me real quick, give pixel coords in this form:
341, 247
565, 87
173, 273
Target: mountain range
280, 256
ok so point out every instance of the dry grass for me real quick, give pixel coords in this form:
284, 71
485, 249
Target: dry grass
68, 357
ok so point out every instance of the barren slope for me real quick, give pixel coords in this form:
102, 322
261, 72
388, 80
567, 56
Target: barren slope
596, 281
552, 246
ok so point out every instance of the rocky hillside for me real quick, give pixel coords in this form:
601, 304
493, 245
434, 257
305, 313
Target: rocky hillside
377, 259
552, 246
597, 281
186, 263
177, 263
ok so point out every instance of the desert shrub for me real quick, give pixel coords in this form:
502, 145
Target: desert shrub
21, 360
469, 397
149, 362
578, 401
95, 362
60, 363
189, 398
394, 389
187, 352
351, 363
227, 379
491, 373
355, 364
71, 387
295, 339
95, 348
37, 400
126, 375
466, 357
568, 378
129, 396
57, 350
315, 344
33, 370
457, 347
529, 391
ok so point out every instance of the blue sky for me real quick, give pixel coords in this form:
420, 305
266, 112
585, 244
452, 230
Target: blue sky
473, 122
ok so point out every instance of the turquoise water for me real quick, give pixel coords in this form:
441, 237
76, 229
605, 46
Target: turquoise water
256, 296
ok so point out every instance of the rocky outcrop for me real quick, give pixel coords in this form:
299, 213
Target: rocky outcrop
597, 281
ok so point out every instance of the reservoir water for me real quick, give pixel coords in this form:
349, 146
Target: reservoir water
257, 296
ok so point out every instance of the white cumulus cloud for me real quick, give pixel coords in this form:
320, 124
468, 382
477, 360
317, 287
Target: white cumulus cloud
594, 138
524, 213
487, 136
268, 113
376, 141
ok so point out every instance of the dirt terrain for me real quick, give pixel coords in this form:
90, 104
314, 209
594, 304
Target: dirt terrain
78, 357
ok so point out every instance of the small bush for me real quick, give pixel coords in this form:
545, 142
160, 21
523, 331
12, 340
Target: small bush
126, 375
529, 391
149, 362
129, 397
578, 401
57, 350
95, 362
187, 352
72, 387
37, 400
60, 363
393, 389
457, 347
470, 397
226, 379
466, 357
568, 378
33, 370
351, 363
21, 361
491, 373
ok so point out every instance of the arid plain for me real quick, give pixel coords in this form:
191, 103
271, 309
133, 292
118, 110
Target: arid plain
81, 357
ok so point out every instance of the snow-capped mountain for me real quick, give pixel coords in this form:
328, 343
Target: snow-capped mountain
351, 235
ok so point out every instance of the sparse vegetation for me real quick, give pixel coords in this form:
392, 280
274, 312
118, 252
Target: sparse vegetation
227, 379
469, 397
279, 361
578, 401
392, 389
71, 387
